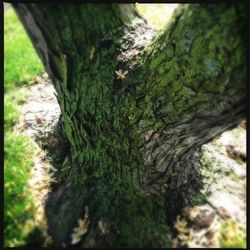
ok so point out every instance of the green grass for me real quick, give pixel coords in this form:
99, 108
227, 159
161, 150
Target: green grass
11, 114
232, 236
21, 62
18, 204
19, 213
11, 102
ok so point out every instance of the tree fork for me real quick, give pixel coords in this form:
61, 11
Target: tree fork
135, 103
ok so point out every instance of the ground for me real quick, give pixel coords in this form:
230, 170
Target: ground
219, 217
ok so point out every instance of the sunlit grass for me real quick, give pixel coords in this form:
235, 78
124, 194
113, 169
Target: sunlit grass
11, 102
21, 62
18, 203
232, 236
19, 210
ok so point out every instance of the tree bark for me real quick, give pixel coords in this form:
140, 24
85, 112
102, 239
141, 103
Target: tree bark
136, 105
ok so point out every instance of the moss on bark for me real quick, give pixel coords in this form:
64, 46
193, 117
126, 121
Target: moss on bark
135, 107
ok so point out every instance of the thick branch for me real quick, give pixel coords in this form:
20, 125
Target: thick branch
67, 35
196, 85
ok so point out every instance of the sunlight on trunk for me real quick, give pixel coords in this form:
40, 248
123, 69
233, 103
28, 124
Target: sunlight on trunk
157, 15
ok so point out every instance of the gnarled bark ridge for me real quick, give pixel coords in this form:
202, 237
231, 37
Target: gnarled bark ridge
136, 104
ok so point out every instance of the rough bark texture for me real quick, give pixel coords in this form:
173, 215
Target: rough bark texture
135, 106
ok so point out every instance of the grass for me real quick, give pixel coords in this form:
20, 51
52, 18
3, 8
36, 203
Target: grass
19, 211
11, 102
21, 62
209, 168
232, 236
18, 204
11, 114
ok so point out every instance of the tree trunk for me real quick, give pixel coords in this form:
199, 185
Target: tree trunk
136, 105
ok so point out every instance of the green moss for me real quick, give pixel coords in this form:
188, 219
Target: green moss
212, 67
200, 55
